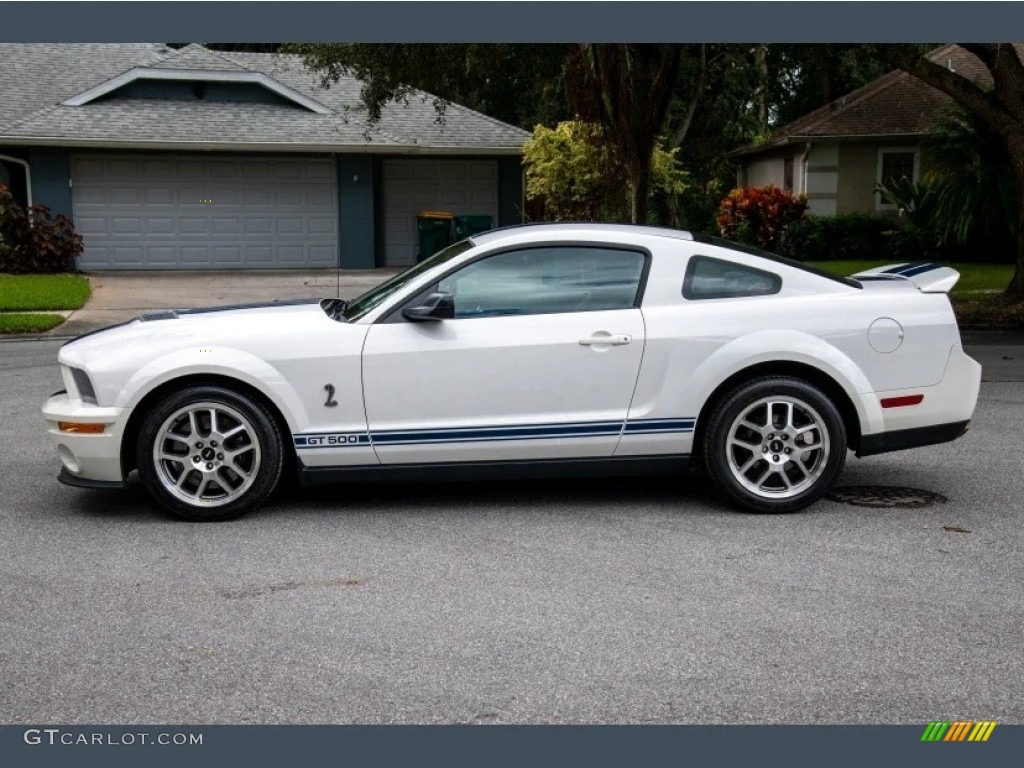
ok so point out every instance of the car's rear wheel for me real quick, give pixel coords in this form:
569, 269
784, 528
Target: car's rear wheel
775, 445
209, 453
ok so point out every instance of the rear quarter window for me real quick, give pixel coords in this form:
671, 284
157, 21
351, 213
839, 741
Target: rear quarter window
710, 278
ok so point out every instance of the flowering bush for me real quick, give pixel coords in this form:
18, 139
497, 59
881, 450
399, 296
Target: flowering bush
759, 215
31, 240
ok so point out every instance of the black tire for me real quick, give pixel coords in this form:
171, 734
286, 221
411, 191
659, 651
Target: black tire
716, 445
264, 430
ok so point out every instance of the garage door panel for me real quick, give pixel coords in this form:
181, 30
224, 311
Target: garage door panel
411, 186
162, 255
205, 212
126, 256
193, 226
158, 196
261, 227
227, 226
126, 226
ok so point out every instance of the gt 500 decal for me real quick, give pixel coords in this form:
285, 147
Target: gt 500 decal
335, 440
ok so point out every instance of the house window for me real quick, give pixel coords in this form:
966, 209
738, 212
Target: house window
787, 174
895, 165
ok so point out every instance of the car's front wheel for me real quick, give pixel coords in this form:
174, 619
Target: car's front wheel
775, 444
209, 453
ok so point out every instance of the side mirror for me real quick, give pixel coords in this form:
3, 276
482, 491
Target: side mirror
437, 306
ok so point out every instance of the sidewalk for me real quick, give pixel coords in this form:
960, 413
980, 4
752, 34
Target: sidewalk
120, 296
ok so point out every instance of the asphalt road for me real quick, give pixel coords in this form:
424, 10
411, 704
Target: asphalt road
603, 601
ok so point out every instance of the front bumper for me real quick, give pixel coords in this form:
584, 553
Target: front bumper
942, 415
88, 459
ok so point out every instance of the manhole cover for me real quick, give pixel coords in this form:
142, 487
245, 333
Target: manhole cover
886, 496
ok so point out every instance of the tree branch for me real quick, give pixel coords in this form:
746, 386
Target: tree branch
982, 102
680, 133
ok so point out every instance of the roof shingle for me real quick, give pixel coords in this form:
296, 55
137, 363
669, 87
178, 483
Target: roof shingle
36, 78
896, 104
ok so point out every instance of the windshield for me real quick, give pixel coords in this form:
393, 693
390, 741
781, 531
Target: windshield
356, 309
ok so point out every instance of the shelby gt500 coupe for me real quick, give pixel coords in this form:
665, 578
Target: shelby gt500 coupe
550, 349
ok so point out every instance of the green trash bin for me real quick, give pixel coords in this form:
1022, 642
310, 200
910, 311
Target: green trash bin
435, 229
467, 226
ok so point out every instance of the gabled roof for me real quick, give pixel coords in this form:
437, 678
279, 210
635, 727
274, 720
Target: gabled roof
893, 106
68, 95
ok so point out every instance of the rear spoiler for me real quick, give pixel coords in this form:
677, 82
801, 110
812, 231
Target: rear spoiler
929, 278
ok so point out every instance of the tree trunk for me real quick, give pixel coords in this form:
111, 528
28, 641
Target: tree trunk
1013, 140
761, 64
639, 188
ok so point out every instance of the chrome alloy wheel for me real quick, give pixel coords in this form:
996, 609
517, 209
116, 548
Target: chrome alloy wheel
778, 447
206, 454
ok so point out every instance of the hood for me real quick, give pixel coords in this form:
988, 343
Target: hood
235, 325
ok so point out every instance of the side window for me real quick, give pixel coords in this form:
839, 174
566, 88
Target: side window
708, 278
547, 280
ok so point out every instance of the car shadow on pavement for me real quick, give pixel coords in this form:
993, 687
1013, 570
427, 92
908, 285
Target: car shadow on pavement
691, 492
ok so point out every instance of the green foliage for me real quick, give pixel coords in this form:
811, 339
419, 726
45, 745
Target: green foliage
759, 215
34, 241
28, 322
521, 84
967, 199
22, 293
580, 177
860, 237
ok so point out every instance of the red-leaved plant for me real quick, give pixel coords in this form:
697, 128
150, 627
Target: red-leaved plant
759, 215
32, 240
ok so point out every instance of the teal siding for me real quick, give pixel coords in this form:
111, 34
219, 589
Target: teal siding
51, 174
184, 90
357, 183
510, 191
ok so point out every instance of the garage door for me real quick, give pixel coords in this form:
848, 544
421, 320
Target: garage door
201, 212
411, 186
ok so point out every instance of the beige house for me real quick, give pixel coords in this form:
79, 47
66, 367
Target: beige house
838, 153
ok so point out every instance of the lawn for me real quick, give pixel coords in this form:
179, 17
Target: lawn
26, 293
974, 278
28, 322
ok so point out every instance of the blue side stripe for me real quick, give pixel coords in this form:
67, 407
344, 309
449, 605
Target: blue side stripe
316, 440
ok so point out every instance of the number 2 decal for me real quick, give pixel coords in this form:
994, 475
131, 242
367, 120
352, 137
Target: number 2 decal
331, 402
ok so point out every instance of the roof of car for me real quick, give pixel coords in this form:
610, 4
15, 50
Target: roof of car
582, 227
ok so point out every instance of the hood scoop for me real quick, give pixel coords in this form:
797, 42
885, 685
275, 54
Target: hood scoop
167, 314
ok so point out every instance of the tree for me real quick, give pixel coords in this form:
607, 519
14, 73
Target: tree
999, 105
578, 175
521, 84
627, 89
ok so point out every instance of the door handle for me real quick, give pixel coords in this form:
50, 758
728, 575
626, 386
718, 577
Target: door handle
604, 339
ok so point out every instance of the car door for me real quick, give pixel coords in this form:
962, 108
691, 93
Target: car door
539, 361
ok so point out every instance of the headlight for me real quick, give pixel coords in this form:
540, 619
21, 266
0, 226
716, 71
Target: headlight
83, 385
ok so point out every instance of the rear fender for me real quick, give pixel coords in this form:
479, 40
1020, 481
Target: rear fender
774, 346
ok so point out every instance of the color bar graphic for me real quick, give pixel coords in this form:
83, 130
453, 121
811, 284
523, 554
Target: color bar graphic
958, 730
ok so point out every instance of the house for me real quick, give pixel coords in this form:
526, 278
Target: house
837, 154
198, 159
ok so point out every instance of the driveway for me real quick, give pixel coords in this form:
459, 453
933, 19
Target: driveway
597, 601
120, 296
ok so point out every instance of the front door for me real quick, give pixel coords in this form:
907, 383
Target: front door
539, 362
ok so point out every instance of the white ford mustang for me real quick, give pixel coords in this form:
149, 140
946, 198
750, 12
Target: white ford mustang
555, 349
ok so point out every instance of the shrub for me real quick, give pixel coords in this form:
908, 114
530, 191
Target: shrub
858, 237
575, 171
759, 215
33, 240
